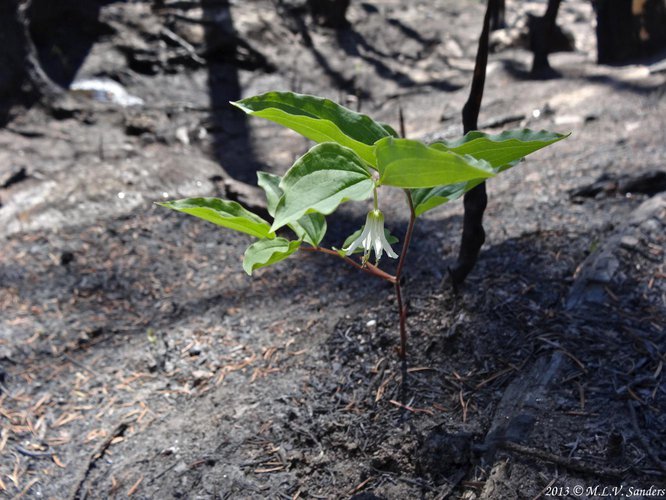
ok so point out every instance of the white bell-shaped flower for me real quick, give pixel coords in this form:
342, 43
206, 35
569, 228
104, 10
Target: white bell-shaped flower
372, 238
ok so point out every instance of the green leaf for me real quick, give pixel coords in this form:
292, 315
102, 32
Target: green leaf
270, 183
266, 252
311, 228
319, 181
318, 119
425, 199
410, 164
390, 130
223, 213
500, 149
350, 239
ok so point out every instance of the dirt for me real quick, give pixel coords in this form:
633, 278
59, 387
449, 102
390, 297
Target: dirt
137, 358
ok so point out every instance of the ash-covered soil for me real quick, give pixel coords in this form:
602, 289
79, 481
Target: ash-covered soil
137, 358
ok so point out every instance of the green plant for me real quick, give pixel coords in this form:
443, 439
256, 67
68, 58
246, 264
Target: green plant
354, 158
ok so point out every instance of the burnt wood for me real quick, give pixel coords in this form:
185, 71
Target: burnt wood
498, 17
542, 31
475, 200
629, 29
45, 88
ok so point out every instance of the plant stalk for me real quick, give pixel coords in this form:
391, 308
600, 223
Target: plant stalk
402, 309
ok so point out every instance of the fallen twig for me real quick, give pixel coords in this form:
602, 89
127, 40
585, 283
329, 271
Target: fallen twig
170, 35
135, 487
567, 463
411, 408
81, 365
94, 456
34, 454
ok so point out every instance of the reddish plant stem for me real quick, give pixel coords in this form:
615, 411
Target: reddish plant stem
402, 310
367, 268
375, 271
408, 235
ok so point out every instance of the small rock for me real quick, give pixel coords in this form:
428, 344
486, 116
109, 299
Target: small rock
200, 376
195, 350
604, 268
629, 242
568, 119
372, 323
183, 136
192, 33
631, 126
105, 90
170, 451
152, 365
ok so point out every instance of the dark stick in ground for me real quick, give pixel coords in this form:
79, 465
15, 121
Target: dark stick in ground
475, 200
41, 84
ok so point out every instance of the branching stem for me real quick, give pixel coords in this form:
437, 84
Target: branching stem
366, 268
373, 270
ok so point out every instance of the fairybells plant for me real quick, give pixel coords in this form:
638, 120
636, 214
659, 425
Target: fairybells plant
354, 158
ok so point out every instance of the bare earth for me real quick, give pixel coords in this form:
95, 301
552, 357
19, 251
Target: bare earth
138, 359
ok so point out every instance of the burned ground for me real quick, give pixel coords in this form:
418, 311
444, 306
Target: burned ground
138, 359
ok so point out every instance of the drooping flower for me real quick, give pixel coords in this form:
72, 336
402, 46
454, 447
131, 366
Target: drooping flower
372, 238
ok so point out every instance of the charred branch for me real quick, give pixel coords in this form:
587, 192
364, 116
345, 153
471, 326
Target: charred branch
475, 201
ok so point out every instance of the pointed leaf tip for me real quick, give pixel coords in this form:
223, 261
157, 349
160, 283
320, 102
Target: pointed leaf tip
500, 149
224, 213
